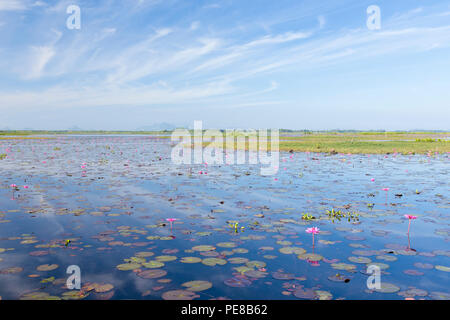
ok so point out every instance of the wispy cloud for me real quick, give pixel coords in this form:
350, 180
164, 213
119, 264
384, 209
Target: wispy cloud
12, 5
118, 59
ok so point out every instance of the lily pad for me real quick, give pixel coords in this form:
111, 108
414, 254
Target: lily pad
204, 248
128, 266
197, 285
47, 267
153, 264
214, 261
179, 295
152, 274
190, 260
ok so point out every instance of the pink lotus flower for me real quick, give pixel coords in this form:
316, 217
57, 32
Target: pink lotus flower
313, 230
13, 186
385, 189
372, 179
171, 220
25, 187
410, 217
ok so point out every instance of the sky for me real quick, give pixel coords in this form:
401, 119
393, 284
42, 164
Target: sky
294, 64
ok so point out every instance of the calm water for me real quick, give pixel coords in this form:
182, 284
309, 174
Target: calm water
114, 211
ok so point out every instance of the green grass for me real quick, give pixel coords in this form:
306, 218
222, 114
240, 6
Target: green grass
363, 142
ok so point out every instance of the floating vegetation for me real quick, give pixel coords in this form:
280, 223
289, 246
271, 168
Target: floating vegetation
338, 214
109, 210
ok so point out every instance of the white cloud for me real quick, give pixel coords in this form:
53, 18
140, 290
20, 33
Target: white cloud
12, 5
40, 57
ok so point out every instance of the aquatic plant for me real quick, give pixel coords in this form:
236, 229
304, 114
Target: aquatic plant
236, 228
3, 156
307, 216
338, 214
410, 217
171, 220
313, 231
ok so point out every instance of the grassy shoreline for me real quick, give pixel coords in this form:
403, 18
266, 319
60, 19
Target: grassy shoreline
303, 141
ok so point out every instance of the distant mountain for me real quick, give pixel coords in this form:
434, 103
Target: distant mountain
157, 127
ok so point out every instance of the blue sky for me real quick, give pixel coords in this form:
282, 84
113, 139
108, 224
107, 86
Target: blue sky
232, 63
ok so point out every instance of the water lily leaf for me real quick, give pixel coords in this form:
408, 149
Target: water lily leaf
323, 295
240, 250
166, 258
386, 287
128, 266
387, 258
38, 296
290, 250
100, 288
213, 261
381, 265
436, 295
423, 265
282, 275
153, 264
442, 268
179, 295
255, 274
190, 260
238, 282
144, 254
238, 260
152, 274
359, 259
197, 285
227, 244
413, 272
47, 267
204, 248
11, 270
343, 266
310, 257
256, 264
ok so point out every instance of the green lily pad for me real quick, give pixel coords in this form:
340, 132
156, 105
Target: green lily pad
197, 285
256, 264
47, 267
153, 264
165, 258
359, 259
128, 266
204, 248
386, 287
237, 260
190, 260
179, 295
227, 244
214, 261
343, 266
152, 274
442, 268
